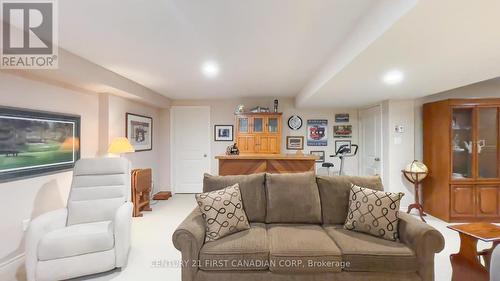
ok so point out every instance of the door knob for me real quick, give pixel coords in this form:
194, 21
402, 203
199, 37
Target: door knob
376, 159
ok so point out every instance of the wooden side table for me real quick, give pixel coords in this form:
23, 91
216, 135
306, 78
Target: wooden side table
466, 264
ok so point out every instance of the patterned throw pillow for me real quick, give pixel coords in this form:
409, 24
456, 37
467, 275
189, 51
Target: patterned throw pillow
223, 212
373, 212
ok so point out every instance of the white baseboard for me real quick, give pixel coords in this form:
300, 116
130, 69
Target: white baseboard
9, 269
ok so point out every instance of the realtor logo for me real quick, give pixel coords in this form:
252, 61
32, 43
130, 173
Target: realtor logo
29, 34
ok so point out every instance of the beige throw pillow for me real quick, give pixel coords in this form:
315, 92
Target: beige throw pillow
223, 212
373, 212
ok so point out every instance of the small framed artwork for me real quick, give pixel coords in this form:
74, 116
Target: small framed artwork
294, 142
342, 131
340, 143
320, 154
223, 132
342, 117
139, 131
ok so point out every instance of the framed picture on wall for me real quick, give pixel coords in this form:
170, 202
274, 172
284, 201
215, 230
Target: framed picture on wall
139, 131
342, 131
340, 143
317, 134
295, 142
223, 132
35, 142
320, 154
342, 117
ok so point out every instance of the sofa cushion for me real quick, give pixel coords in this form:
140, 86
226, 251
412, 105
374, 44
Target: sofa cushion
302, 248
252, 190
363, 252
334, 192
223, 212
245, 250
77, 239
374, 212
292, 198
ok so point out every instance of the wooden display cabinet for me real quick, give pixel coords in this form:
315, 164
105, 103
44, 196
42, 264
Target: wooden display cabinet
461, 149
259, 133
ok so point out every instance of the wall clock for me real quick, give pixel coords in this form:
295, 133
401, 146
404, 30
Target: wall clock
294, 122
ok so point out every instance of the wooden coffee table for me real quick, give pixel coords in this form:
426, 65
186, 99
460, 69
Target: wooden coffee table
466, 263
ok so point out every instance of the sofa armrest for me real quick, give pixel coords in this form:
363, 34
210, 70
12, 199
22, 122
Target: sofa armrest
424, 240
122, 225
40, 226
188, 238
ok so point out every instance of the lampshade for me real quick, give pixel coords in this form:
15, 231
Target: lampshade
120, 145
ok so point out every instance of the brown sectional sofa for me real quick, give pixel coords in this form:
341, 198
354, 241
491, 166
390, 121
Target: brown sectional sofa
297, 233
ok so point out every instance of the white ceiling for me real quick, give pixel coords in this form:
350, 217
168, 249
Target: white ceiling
439, 45
326, 53
263, 47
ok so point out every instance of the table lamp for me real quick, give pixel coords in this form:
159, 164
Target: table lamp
120, 146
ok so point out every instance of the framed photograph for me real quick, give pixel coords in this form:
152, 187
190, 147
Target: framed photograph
320, 154
294, 142
340, 143
317, 134
342, 118
342, 131
223, 132
35, 142
139, 131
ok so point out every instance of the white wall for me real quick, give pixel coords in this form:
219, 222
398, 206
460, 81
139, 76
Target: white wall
398, 148
102, 119
222, 113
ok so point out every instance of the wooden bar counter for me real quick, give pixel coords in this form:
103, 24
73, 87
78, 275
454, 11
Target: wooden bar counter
247, 164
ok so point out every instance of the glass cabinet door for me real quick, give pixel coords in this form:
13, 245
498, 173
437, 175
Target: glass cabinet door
486, 143
462, 143
258, 124
243, 125
272, 125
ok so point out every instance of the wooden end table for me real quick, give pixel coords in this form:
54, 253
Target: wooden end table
466, 264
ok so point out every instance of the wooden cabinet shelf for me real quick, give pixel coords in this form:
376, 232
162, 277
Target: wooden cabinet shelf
461, 148
259, 133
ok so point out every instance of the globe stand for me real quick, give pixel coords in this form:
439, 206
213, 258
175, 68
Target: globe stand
415, 182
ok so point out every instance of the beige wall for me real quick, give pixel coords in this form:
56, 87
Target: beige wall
118, 107
102, 118
222, 113
28, 198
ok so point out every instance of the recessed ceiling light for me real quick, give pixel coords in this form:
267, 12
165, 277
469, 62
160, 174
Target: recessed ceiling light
393, 77
210, 69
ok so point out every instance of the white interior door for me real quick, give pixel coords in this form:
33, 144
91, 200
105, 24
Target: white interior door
371, 141
190, 147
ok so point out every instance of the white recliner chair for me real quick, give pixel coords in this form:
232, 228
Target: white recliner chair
92, 234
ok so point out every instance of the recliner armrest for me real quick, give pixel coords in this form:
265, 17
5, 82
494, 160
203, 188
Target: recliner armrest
188, 238
424, 240
122, 225
40, 226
